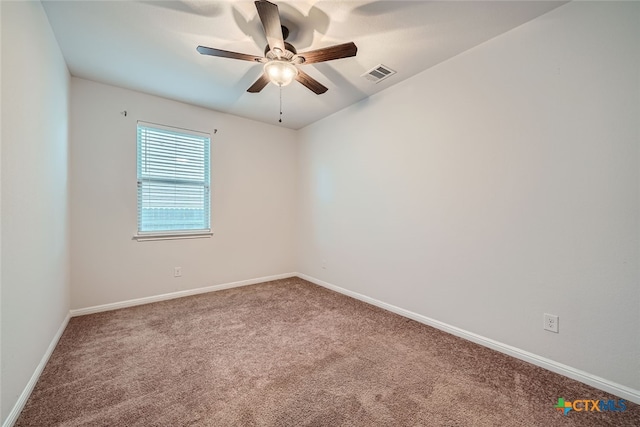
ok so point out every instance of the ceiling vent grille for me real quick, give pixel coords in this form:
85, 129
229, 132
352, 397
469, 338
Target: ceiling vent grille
378, 73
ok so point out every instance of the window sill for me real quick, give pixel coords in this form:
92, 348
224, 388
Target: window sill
146, 237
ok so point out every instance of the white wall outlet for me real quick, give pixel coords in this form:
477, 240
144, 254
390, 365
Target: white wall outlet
323, 264
551, 322
177, 272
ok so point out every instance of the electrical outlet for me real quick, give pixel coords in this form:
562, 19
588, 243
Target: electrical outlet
177, 272
323, 264
551, 322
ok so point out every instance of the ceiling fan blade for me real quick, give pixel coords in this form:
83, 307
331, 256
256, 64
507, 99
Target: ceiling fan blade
270, 18
330, 53
259, 84
310, 82
227, 54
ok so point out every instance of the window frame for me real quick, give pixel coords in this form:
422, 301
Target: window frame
173, 233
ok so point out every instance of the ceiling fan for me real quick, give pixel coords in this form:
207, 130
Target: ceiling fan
281, 60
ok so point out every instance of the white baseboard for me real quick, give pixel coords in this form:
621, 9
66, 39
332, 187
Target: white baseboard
173, 295
22, 400
620, 390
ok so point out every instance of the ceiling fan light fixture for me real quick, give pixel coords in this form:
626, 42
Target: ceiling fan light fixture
280, 73
280, 57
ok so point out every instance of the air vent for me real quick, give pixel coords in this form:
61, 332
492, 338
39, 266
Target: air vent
378, 73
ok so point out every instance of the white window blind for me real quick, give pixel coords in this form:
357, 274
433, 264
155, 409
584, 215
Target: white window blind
173, 180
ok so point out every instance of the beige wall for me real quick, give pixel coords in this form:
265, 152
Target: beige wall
34, 224
253, 179
495, 187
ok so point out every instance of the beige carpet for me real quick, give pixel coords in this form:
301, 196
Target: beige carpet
289, 353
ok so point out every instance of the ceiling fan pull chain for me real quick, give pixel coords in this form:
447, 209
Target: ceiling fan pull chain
280, 121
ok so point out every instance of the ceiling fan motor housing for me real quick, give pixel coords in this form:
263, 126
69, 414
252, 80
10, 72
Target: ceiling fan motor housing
289, 52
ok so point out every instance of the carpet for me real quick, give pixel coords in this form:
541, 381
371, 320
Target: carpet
290, 353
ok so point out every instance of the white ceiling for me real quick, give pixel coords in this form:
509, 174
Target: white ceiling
150, 46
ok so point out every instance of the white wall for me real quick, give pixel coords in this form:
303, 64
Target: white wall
253, 207
495, 187
35, 256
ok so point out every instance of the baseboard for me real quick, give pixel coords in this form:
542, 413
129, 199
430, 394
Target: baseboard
22, 400
620, 390
173, 295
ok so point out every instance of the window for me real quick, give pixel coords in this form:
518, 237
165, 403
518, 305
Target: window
173, 182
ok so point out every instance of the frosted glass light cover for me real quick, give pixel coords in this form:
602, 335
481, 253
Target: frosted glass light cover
280, 73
